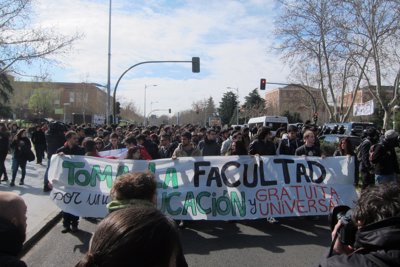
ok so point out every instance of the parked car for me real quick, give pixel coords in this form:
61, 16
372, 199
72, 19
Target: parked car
349, 128
335, 138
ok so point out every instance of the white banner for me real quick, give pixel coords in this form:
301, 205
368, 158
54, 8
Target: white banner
364, 109
212, 188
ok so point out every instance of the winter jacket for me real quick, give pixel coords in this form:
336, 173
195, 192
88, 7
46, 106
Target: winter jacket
54, 141
288, 147
365, 165
384, 159
76, 150
180, 152
376, 242
38, 138
20, 148
262, 148
11, 242
304, 150
4, 142
209, 147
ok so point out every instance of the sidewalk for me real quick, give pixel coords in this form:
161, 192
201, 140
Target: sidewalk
41, 210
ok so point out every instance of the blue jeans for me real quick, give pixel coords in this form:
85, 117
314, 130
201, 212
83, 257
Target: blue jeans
16, 163
384, 179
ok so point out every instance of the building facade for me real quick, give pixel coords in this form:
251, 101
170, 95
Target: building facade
295, 99
69, 102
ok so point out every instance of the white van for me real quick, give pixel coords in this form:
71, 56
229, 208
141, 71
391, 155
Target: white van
273, 122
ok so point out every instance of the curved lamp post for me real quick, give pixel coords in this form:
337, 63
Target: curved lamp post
195, 68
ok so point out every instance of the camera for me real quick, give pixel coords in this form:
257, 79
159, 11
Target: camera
347, 231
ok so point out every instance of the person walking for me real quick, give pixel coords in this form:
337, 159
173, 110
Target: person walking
39, 143
4, 147
21, 146
71, 147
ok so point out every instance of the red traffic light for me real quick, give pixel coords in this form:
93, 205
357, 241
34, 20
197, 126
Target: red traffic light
263, 82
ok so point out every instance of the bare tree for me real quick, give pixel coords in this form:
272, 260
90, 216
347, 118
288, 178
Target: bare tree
378, 21
315, 38
20, 43
130, 112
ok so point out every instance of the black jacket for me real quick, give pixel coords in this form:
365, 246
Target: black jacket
288, 147
262, 148
209, 147
379, 240
11, 242
20, 148
54, 141
365, 165
76, 150
308, 151
38, 138
385, 159
4, 142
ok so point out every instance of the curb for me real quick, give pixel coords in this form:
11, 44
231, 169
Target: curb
36, 234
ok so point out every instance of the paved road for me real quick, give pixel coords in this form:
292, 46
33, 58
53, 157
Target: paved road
292, 242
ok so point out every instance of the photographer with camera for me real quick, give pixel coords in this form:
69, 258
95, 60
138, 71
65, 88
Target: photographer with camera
383, 157
368, 235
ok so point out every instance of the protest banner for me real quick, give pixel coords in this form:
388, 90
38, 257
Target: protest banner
212, 188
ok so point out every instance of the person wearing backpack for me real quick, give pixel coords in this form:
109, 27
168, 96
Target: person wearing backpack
384, 158
366, 168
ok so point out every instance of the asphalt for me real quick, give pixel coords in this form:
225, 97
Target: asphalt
42, 213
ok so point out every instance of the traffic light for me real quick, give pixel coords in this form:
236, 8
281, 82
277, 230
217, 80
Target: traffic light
195, 64
263, 82
169, 111
117, 108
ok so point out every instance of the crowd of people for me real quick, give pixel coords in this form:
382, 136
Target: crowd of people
171, 141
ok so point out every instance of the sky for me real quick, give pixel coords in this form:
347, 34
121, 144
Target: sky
234, 40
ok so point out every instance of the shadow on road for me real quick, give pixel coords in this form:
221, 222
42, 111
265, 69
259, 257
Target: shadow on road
215, 235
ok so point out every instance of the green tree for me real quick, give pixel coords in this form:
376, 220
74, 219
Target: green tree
227, 107
42, 101
5, 91
254, 101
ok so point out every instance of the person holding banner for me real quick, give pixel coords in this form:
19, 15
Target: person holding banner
71, 147
262, 145
185, 148
309, 148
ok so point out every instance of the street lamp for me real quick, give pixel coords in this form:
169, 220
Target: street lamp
144, 106
395, 108
237, 107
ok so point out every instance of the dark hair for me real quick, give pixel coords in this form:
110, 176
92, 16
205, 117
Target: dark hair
292, 128
139, 185
377, 203
114, 136
134, 236
131, 140
141, 137
263, 132
348, 149
89, 145
188, 135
